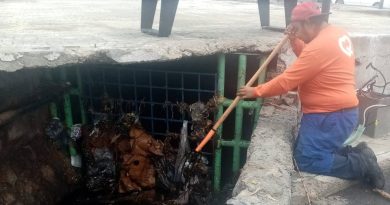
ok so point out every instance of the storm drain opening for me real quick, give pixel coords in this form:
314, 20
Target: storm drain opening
127, 133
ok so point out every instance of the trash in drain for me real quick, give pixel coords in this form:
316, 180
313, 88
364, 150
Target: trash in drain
123, 163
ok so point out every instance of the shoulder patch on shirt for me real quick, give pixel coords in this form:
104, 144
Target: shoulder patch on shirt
345, 45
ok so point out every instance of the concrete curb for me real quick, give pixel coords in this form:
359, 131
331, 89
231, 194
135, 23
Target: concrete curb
266, 176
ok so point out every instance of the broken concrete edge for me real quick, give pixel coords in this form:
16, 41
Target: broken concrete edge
12, 60
266, 176
366, 48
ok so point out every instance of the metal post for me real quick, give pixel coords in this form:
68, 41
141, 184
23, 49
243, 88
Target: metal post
239, 113
259, 101
148, 9
381, 4
263, 6
288, 7
218, 150
167, 16
326, 8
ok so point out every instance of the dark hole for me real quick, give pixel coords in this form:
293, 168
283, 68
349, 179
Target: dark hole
136, 162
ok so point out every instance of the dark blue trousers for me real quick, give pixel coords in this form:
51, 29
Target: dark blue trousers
319, 147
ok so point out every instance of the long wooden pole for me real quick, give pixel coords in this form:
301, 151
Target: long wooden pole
211, 133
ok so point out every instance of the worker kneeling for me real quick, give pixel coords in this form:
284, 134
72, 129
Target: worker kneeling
324, 75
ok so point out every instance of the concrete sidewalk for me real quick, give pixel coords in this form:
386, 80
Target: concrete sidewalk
322, 186
49, 33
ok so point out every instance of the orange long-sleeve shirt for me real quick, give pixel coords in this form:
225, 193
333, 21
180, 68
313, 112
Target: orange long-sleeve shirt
324, 74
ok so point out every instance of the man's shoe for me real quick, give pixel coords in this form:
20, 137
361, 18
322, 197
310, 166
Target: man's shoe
344, 151
374, 174
363, 147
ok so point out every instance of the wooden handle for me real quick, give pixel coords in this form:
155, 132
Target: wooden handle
237, 99
205, 140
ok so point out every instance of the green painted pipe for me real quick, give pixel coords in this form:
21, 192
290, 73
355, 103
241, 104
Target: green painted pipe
217, 169
218, 151
243, 104
242, 143
236, 143
67, 104
259, 101
239, 114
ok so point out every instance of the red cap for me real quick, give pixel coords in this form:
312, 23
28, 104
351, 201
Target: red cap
305, 11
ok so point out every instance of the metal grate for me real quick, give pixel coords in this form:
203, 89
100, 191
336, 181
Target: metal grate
153, 94
156, 92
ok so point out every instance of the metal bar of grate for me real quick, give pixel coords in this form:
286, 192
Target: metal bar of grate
67, 104
237, 143
166, 97
120, 89
90, 88
218, 150
104, 81
198, 87
142, 117
161, 87
259, 101
135, 91
242, 61
151, 99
